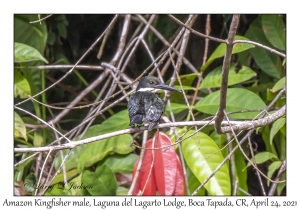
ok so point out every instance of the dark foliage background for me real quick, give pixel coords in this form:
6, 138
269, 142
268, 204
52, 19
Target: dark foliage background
63, 40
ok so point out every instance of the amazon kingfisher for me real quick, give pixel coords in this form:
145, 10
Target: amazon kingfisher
145, 105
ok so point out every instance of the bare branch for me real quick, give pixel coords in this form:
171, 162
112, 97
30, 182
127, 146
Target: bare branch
248, 125
196, 32
73, 144
225, 70
260, 45
84, 67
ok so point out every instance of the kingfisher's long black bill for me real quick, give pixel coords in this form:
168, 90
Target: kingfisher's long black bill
166, 87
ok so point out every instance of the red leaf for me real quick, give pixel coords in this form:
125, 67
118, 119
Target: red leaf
179, 187
145, 183
165, 165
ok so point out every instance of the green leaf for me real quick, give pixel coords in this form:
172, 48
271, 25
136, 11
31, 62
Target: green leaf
187, 83
74, 187
202, 163
60, 177
263, 157
282, 185
21, 85
62, 30
121, 163
221, 49
184, 87
19, 170
277, 125
269, 62
284, 61
119, 121
34, 35
237, 99
30, 183
283, 130
98, 150
73, 158
34, 79
214, 78
176, 108
122, 191
103, 181
242, 175
279, 85
26, 53
220, 140
272, 168
19, 127
265, 133
260, 88
37, 140
274, 29
193, 182
186, 79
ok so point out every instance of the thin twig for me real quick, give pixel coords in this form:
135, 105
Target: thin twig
138, 170
235, 186
62, 157
40, 20
25, 159
243, 191
169, 61
196, 32
254, 162
109, 28
207, 32
279, 174
152, 164
48, 67
260, 45
42, 171
232, 164
200, 78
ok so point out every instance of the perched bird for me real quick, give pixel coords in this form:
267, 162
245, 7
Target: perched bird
145, 105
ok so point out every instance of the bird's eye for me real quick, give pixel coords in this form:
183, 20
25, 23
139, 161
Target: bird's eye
151, 82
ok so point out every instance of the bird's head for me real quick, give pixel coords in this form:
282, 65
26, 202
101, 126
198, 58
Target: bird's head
150, 83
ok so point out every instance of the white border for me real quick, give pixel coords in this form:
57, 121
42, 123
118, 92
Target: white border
6, 38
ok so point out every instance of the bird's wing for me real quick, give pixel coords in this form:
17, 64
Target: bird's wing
136, 110
154, 111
